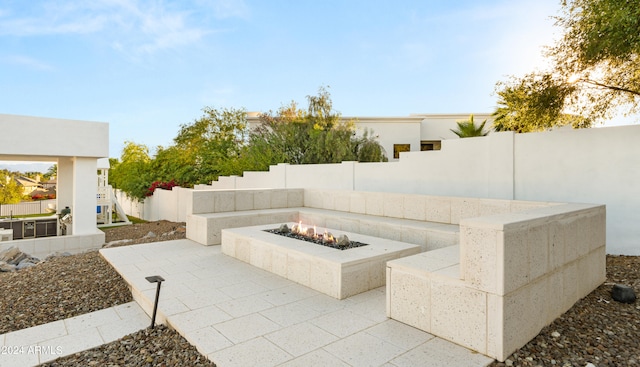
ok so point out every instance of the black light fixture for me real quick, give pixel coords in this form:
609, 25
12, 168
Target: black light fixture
155, 279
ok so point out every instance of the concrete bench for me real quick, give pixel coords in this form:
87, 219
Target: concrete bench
428, 221
207, 228
511, 275
428, 235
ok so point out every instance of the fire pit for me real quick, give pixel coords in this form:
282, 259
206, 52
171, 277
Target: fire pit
311, 234
339, 274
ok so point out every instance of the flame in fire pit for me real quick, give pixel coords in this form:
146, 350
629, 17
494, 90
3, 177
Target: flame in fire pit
298, 231
312, 233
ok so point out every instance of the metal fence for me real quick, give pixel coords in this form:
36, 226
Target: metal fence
26, 208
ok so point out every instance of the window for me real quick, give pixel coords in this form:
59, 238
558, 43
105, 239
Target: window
397, 148
430, 145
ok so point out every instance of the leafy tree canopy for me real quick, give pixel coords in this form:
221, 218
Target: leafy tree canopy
132, 173
203, 149
220, 143
10, 191
51, 172
315, 135
595, 73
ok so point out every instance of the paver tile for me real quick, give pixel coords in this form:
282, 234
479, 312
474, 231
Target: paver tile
343, 323
317, 358
33, 335
399, 334
92, 319
255, 352
362, 349
116, 330
301, 338
441, 353
197, 319
246, 327
290, 314
243, 289
244, 306
292, 293
208, 340
203, 298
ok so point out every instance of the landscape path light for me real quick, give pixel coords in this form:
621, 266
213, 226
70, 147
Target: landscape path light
155, 279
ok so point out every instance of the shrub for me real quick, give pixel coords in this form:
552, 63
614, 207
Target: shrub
160, 185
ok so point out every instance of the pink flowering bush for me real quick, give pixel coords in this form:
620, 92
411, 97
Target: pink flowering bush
160, 185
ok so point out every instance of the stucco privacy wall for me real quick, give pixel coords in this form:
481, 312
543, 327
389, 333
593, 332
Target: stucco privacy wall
592, 166
163, 205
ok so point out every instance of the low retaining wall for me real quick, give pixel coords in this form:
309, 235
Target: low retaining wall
515, 274
41, 247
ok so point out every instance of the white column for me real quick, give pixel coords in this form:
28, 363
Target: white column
64, 191
85, 184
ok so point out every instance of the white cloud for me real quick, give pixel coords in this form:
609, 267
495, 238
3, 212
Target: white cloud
26, 61
226, 8
133, 27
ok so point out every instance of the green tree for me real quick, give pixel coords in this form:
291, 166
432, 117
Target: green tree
203, 150
315, 135
594, 72
10, 191
133, 172
468, 128
368, 149
51, 172
533, 103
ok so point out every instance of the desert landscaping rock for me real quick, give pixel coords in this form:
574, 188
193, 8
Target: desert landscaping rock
5, 267
12, 255
623, 293
13, 259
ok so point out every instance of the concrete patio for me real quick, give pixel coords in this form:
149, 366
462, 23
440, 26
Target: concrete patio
239, 315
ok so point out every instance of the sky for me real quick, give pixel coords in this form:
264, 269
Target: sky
149, 66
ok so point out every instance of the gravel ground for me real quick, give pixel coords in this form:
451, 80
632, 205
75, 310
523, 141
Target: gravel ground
595, 330
158, 347
57, 289
140, 233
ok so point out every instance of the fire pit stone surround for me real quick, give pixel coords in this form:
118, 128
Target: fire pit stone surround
339, 274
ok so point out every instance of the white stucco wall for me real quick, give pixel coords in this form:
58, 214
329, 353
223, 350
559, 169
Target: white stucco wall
599, 166
590, 166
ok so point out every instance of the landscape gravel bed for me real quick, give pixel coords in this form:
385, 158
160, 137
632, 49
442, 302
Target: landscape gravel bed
160, 346
57, 289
